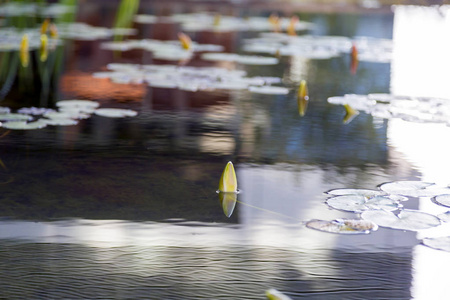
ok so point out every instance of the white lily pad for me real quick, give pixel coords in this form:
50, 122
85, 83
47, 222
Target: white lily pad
414, 188
115, 112
60, 121
269, 90
443, 200
15, 117
23, 125
36, 111
439, 243
77, 103
412, 220
220, 56
343, 226
445, 217
364, 192
256, 60
360, 203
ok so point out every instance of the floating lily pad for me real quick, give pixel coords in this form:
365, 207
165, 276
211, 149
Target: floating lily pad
23, 125
443, 200
423, 109
445, 217
77, 103
68, 114
364, 192
405, 220
414, 188
343, 226
34, 110
269, 90
360, 203
115, 112
15, 117
440, 243
256, 60
60, 121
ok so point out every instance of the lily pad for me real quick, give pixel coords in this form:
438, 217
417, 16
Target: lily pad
15, 117
364, 192
269, 90
77, 103
443, 200
360, 203
115, 112
412, 220
414, 188
23, 125
36, 111
60, 121
343, 226
440, 243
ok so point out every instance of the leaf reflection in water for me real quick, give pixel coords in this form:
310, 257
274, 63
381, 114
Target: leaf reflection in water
228, 201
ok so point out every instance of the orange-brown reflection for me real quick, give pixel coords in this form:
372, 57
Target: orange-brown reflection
82, 85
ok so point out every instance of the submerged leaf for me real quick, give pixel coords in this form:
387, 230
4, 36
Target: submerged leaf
406, 220
228, 180
440, 243
343, 226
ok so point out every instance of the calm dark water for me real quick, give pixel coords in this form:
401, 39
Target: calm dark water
127, 209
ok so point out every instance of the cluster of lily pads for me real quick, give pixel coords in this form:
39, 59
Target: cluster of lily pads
416, 109
190, 78
34, 9
68, 112
10, 37
320, 47
204, 21
383, 207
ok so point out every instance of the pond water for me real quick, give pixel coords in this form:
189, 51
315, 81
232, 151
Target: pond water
126, 208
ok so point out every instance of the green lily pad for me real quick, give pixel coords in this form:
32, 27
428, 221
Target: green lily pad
412, 220
440, 243
343, 226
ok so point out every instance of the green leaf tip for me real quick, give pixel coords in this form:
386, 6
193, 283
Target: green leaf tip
274, 294
228, 181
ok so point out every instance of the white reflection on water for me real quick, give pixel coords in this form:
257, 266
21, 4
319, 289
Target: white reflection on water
421, 67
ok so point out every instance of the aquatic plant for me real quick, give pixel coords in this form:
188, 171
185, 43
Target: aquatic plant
343, 226
190, 78
387, 106
228, 180
302, 98
273, 294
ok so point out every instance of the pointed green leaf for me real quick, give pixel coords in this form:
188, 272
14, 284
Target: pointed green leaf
228, 181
